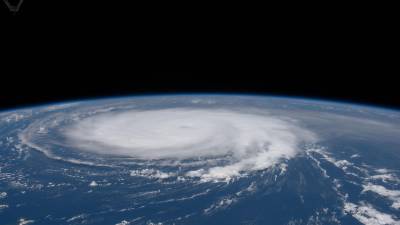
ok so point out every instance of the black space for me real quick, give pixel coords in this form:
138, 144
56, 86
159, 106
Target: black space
53, 89
67, 50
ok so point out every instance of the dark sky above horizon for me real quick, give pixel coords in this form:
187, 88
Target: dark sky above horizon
67, 50
62, 87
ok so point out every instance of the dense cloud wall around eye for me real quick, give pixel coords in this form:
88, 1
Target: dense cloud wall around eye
254, 141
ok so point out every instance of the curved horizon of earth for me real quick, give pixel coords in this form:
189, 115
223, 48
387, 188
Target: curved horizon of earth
196, 159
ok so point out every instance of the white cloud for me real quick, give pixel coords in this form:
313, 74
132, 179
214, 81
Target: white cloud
3, 195
385, 178
123, 222
77, 217
253, 141
368, 215
221, 204
396, 205
93, 184
203, 101
393, 195
151, 173
23, 221
382, 170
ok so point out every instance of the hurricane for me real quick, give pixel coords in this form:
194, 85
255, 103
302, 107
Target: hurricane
253, 142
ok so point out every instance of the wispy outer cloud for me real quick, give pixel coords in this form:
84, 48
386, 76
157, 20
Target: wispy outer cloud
368, 215
393, 195
254, 141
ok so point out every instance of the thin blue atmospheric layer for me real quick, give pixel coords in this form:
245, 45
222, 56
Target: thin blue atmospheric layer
205, 94
200, 158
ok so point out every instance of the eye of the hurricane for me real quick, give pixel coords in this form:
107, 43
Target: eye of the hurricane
254, 141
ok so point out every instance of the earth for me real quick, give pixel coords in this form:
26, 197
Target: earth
200, 159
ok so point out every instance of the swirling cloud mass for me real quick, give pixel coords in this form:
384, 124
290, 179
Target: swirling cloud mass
250, 141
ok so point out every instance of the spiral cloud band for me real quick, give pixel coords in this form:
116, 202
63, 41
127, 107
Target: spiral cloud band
252, 141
